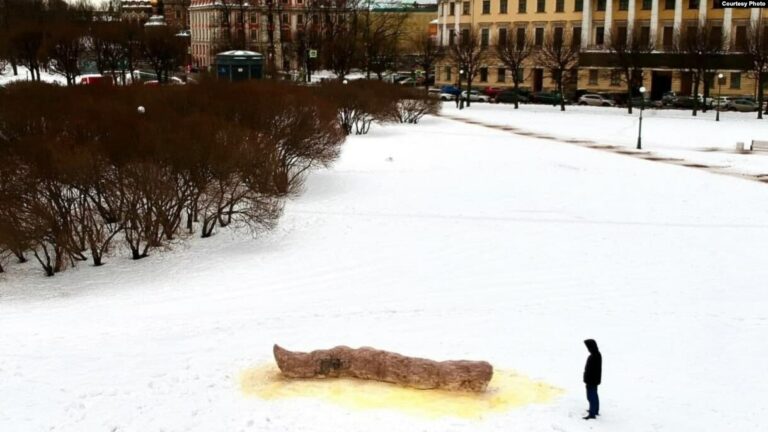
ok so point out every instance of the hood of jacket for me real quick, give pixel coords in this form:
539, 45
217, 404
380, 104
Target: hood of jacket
591, 346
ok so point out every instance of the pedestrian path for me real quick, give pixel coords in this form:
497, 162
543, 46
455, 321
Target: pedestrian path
639, 154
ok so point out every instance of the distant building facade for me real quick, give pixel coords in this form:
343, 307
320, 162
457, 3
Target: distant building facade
175, 12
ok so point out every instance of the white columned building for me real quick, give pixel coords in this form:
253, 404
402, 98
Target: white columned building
631, 20
586, 23
608, 21
727, 26
654, 30
678, 16
703, 12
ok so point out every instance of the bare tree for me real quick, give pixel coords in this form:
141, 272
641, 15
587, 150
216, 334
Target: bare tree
757, 49
513, 53
560, 57
381, 35
698, 48
469, 55
627, 52
428, 52
163, 51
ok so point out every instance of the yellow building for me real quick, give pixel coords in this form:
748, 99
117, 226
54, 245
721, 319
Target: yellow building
590, 22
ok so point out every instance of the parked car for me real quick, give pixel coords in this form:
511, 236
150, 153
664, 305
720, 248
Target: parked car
551, 98
411, 82
683, 102
508, 96
475, 96
95, 79
640, 101
434, 90
742, 105
492, 92
447, 96
595, 100
453, 90
668, 98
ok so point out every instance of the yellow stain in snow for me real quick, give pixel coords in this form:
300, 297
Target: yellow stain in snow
507, 390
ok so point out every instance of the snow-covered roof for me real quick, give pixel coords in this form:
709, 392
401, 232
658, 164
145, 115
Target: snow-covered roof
240, 53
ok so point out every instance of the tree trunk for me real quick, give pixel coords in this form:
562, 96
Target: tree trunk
560, 90
372, 364
760, 95
696, 95
517, 88
469, 89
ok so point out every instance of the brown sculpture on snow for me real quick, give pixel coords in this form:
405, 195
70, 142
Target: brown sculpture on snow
372, 364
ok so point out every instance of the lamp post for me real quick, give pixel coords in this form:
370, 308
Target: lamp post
461, 99
719, 91
640, 129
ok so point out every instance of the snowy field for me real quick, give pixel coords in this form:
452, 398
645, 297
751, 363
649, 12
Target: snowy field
442, 240
7, 76
666, 132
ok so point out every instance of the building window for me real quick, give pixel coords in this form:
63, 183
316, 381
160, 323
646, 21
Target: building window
559, 5
486, 7
484, 74
484, 36
620, 37
465, 8
578, 5
520, 39
710, 78
538, 38
645, 36
667, 37
647, 4
615, 78
593, 77
623, 5
448, 73
741, 38
558, 36
576, 37
502, 36
693, 4
451, 37
600, 5
521, 6
541, 6
452, 9
253, 18
669, 4
501, 75
520, 75
299, 19
503, 6
716, 36
599, 36
736, 80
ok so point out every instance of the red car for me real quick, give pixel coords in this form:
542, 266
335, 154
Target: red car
491, 92
95, 79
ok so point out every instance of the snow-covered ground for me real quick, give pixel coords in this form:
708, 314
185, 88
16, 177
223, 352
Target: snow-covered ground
668, 133
7, 76
442, 240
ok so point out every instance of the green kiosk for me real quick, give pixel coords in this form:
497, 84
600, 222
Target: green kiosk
239, 65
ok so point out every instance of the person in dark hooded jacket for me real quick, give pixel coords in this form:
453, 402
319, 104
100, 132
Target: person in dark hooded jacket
592, 374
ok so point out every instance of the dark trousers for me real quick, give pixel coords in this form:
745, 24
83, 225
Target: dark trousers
594, 400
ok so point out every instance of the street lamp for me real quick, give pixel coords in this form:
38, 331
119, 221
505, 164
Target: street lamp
640, 129
719, 91
461, 99
140, 110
